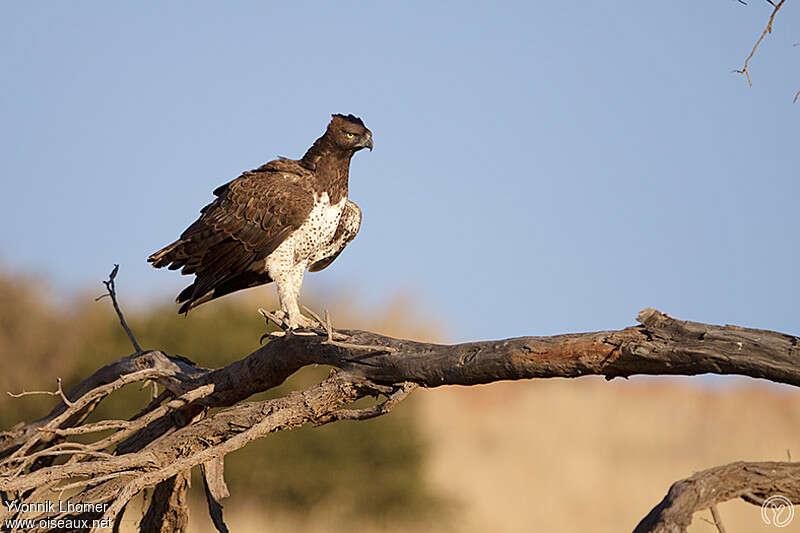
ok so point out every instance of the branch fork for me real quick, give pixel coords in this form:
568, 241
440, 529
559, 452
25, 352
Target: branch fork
157, 448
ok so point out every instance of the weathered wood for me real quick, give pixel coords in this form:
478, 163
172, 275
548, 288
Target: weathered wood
216, 490
167, 440
168, 511
174, 373
662, 345
753, 482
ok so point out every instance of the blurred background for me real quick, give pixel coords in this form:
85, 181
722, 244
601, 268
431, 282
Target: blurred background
538, 169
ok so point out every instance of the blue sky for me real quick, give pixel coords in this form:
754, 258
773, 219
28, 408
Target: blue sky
538, 168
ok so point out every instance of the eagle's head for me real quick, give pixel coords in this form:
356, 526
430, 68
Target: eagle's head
348, 132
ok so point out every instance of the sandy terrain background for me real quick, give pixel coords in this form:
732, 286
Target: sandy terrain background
586, 455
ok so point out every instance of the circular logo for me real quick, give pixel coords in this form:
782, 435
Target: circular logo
777, 510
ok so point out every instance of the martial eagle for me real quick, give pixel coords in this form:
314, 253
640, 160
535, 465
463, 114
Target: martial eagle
273, 223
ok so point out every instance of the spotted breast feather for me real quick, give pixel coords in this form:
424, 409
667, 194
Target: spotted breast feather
346, 231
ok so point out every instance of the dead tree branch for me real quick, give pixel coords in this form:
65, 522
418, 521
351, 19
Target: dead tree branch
744, 70
752, 482
112, 292
717, 519
172, 435
768, 29
58, 392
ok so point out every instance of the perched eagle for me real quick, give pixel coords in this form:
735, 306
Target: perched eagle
273, 223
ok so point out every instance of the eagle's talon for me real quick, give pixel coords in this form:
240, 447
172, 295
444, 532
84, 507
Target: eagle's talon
303, 322
276, 334
301, 326
276, 317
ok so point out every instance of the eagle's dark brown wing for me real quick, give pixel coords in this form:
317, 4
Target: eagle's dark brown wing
251, 216
346, 231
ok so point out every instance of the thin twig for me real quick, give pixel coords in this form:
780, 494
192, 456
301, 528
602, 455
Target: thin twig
797, 94
257, 430
744, 70
127, 428
112, 292
91, 480
717, 519
103, 425
92, 449
151, 384
57, 392
137, 424
53, 452
92, 396
370, 412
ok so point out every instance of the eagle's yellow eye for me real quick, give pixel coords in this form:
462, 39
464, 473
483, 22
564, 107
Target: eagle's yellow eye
350, 135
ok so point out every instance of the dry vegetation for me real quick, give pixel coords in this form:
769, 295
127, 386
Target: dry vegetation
293, 473
577, 455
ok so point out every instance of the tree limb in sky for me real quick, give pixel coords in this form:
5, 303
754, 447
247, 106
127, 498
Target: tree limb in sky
158, 447
768, 29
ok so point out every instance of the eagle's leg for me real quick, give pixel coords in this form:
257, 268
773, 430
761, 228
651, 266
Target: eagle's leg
289, 283
297, 274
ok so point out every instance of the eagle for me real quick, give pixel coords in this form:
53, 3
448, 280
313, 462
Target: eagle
272, 224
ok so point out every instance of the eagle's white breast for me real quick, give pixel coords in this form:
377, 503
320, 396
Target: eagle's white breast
316, 233
308, 243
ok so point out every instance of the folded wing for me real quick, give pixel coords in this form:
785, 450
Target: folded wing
226, 247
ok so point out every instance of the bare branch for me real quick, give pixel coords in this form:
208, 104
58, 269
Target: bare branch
174, 373
744, 70
717, 519
171, 436
216, 490
103, 425
89, 480
371, 412
88, 400
298, 408
58, 392
753, 482
112, 292
168, 511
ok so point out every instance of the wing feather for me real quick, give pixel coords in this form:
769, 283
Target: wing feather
251, 216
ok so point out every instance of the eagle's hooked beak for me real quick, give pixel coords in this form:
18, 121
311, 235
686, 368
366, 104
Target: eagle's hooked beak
369, 144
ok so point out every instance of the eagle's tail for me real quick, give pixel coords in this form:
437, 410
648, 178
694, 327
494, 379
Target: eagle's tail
174, 256
189, 299
166, 255
185, 298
